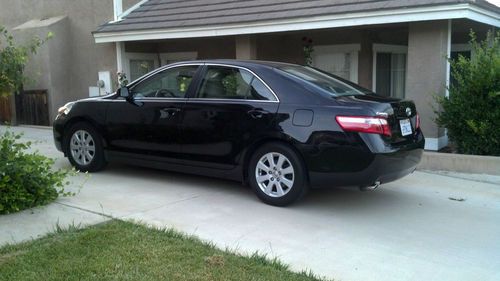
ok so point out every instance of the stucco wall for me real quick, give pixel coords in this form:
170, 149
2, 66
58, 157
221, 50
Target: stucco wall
84, 57
426, 77
49, 68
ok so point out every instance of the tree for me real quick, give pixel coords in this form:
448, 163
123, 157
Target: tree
472, 111
13, 59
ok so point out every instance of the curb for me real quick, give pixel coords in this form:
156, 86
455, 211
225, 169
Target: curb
35, 127
472, 164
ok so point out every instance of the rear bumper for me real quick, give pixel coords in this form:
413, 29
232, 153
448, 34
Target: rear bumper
383, 168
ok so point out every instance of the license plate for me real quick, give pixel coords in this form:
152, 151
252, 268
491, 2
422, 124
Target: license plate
405, 127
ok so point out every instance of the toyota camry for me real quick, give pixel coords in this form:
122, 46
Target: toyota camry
279, 128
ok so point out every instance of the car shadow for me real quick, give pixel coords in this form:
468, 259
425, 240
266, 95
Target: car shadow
347, 199
329, 200
184, 179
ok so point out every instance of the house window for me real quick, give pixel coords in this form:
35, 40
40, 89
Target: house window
389, 70
140, 67
340, 60
138, 64
168, 58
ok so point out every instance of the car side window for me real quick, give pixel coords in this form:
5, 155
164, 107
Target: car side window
259, 91
222, 82
170, 83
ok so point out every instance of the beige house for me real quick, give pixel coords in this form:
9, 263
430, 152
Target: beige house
395, 47
68, 64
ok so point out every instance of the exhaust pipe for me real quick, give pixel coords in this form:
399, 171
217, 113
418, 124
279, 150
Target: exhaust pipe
370, 187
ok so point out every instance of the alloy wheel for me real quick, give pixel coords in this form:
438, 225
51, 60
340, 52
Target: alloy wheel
274, 174
82, 147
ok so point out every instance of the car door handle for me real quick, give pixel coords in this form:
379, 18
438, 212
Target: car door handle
172, 110
257, 113
169, 112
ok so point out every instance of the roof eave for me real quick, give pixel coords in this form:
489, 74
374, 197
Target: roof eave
443, 12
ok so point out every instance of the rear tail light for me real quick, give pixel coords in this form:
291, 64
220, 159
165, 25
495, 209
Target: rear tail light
417, 122
362, 124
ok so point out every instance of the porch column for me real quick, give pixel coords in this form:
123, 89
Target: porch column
246, 47
121, 62
429, 45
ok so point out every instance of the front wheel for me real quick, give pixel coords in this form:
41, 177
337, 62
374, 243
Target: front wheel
84, 148
277, 175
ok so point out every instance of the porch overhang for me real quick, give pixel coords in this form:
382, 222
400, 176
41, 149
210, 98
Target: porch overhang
443, 12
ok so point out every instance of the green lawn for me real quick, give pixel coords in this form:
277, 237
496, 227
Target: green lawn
120, 250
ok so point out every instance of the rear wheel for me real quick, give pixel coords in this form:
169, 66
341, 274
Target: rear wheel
84, 148
277, 174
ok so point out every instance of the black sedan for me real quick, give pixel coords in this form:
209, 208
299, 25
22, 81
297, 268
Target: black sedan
281, 128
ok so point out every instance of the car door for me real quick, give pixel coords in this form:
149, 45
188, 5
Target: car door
147, 123
231, 108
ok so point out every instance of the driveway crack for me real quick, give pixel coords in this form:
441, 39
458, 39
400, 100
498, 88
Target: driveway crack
86, 210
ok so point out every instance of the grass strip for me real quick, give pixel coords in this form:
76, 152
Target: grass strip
118, 250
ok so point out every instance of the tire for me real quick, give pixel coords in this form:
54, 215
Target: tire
84, 148
283, 185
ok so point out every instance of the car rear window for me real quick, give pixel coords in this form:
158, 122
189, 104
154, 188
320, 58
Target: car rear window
324, 82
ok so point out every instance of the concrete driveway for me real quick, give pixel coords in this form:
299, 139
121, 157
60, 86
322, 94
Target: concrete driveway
407, 230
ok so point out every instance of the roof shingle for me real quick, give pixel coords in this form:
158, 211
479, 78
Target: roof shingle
166, 14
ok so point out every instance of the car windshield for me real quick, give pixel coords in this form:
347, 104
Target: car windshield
327, 83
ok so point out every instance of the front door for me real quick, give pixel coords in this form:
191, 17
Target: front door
148, 123
231, 109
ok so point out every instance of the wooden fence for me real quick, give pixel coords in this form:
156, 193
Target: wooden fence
32, 108
5, 111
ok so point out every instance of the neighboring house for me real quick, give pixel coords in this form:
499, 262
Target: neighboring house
395, 47
69, 63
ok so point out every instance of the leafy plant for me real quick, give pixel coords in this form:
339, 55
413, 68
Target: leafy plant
472, 111
230, 84
27, 179
308, 50
13, 59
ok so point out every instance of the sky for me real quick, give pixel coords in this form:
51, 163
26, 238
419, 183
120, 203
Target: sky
496, 2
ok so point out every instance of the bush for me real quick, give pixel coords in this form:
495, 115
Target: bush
26, 179
472, 112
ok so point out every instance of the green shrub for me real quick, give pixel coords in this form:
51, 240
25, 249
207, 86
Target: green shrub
26, 179
472, 112
13, 59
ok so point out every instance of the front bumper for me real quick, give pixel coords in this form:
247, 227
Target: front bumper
58, 131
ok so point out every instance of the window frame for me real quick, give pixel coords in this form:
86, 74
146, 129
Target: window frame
204, 71
391, 49
351, 49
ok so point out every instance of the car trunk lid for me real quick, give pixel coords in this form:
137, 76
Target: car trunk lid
401, 115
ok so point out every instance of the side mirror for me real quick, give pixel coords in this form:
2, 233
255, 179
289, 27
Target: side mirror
124, 93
